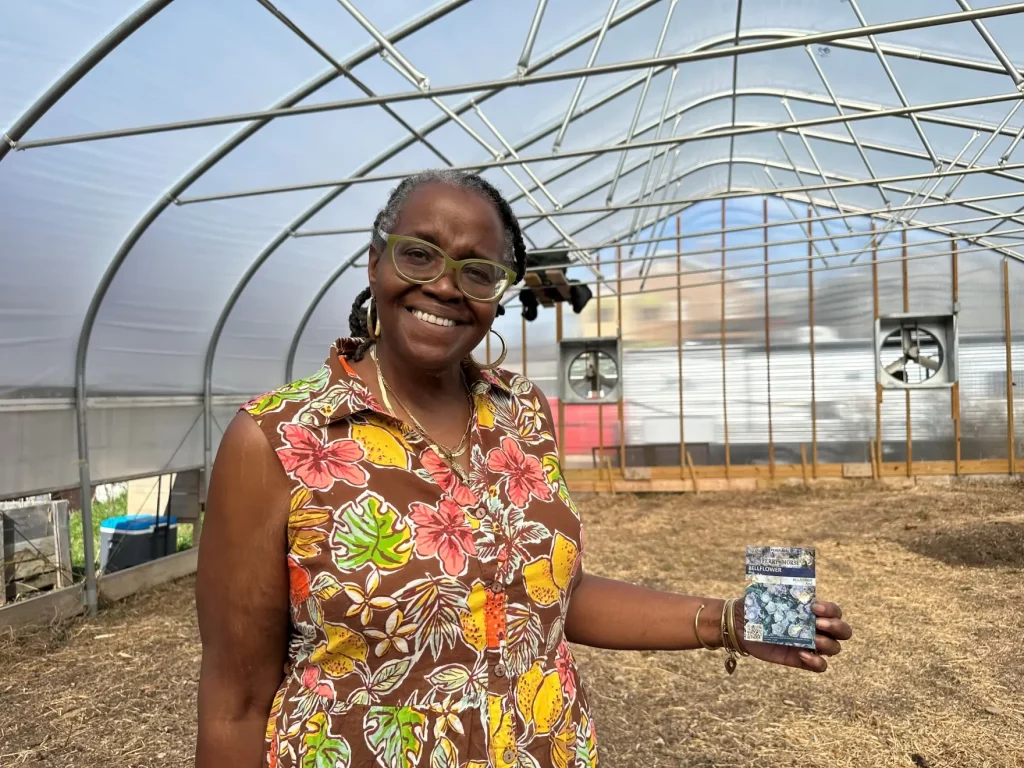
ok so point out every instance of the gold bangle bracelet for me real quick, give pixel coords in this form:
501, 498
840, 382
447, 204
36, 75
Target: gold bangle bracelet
696, 630
730, 659
733, 635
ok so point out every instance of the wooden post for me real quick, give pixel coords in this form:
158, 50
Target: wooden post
810, 319
693, 473
561, 405
9, 589
725, 388
679, 339
955, 393
878, 386
803, 462
768, 346
62, 543
523, 339
622, 419
1007, 328
874, 462
600, 406
906, 308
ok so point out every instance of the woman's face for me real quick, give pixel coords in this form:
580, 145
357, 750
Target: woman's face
463, 224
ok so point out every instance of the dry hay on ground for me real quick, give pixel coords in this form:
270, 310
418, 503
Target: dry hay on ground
930, 578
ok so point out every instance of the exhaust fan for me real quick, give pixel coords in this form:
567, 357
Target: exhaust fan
916, 351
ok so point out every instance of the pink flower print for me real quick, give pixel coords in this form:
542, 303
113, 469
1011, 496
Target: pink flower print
446, 479
318, 465
311, 681
443, 531
566, 669
524, 473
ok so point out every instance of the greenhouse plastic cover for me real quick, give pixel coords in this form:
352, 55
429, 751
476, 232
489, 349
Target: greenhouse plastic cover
118, 268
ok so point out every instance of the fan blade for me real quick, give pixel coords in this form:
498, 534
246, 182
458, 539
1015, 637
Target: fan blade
928, 362
897, 366
908, 339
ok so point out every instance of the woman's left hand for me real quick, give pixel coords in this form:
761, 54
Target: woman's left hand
831, 629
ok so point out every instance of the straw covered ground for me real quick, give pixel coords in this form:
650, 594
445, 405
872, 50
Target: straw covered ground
930, 578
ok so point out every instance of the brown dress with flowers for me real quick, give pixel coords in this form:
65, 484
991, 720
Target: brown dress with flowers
427, 613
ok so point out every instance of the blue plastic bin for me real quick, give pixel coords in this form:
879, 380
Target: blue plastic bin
135, 539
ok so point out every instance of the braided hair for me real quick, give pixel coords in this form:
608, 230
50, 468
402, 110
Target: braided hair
515, 248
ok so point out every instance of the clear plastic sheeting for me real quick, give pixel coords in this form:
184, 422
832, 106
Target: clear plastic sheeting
186, 191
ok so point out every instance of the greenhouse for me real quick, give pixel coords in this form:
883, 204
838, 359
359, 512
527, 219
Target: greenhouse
770, 243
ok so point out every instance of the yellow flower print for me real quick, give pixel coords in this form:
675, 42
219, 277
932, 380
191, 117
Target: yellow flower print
343, 649
394, 634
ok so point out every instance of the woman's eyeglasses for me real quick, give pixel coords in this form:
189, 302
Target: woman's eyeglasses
417, 261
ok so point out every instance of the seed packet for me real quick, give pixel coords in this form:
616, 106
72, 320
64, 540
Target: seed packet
779, 595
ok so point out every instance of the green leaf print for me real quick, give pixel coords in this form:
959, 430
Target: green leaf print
320, 749
298, 390
390, 676
444, 755
451, 678
395, 734
586, 749
370, 531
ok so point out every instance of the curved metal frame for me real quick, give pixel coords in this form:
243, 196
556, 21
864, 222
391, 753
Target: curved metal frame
149, 9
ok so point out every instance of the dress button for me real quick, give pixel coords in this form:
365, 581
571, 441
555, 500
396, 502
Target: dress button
508, 756
497, 586
500, 670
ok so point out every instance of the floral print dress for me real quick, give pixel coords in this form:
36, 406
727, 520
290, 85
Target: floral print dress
427, 613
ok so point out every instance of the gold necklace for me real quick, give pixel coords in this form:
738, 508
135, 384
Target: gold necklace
449, 455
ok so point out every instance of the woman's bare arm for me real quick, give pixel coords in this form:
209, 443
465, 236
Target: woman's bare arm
242, 598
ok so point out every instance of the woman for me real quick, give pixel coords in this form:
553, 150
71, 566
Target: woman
391, 566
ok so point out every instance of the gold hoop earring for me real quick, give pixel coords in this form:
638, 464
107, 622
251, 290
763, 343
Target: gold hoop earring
501, 357
372, 328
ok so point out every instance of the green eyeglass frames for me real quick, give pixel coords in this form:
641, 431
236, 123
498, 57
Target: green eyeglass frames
417, 261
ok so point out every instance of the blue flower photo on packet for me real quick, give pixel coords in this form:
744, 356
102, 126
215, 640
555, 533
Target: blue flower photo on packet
779, 595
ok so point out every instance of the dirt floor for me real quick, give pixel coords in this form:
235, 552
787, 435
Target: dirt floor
930, 578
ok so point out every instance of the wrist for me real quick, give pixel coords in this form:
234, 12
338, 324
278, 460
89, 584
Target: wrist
709, 624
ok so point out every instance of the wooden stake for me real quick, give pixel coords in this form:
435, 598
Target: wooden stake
622, 419
600, 407
803, 463
561, 405
810, 313
693, 473
878, 387
679, 336
1011, 453
768, 345
874, 462
725, 388
906, 308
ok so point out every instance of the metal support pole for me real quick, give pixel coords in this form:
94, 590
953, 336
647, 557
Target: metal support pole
956, 385
800, 180
1011, 443
388, 52
631, 133
768, 344
524, 58
725, 388
814, 390
849, 129
583, 80
895, 84
85, 486
984, 147
810, 153
811, 242
878, 387
997, 51
906, 308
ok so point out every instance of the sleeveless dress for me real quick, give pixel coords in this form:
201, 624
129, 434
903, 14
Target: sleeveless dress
427, 613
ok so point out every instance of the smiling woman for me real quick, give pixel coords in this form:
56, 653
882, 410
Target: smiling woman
392, 565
